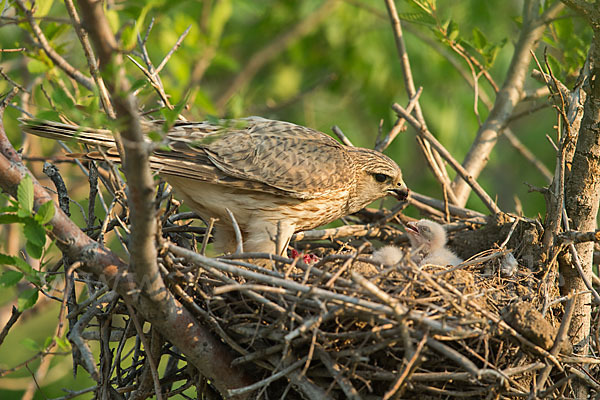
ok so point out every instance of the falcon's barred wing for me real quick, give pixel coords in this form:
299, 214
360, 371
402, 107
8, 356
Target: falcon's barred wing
300, 161
250, 153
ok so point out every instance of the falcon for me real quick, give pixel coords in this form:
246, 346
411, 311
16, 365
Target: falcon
275, 177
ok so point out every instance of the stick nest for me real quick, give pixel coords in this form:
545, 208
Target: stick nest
346, 327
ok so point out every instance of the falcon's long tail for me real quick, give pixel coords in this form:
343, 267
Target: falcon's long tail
60, 131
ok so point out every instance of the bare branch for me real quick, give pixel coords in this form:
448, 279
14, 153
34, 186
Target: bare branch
508, 96
433, 158
54, 56
340, 134
91, 58
580, 237
487, 200
400, 123
139, 179
173, 49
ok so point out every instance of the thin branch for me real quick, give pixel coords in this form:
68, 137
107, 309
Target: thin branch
54, 56
255, 386
91, 58
14, 316
561, 335
340, 134
400, 123
487, 200
149, 355
173, 49
238, 233
136, 166
580, 237
532, 29
432, 156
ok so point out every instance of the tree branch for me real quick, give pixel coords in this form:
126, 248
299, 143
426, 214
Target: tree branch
508, 96
136, 166
433, 158
487, 200
174, 322
54, 56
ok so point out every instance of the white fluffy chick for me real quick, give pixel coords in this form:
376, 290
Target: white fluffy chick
388, 255
428, 244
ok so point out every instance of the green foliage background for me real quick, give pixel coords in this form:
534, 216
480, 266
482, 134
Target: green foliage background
345, 72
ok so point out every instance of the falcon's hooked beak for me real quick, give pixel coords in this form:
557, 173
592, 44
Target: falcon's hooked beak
401, 193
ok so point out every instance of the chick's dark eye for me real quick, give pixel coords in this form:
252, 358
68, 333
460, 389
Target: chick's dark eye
381, 177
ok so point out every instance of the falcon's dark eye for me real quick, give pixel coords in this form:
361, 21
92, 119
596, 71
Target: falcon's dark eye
381, 177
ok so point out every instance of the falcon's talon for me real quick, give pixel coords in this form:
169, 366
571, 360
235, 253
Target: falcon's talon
307, 258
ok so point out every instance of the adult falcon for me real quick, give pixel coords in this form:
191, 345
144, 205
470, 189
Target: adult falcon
276, 178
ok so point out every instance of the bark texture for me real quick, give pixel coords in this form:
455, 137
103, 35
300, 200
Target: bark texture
582, 195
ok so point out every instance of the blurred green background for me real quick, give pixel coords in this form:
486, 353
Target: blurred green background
343, 71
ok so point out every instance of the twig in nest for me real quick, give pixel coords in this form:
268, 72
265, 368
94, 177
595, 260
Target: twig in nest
238, 233
407, 370
335, 370
149, 355
266, 381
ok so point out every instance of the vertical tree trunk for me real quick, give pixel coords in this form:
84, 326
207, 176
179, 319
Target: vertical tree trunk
582, 196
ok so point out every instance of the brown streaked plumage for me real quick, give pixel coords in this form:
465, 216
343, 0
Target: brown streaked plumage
277, 178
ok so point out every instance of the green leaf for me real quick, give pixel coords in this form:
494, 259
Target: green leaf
42, 7
140, 83
31, 344
47, 342
25, 195
34, 250
17, 262
130, 33
418, 17
54, 30
154, 136
45, 212
170, 116
452, 31
34, 232
479, 39
9, 218
62, 343
27, 299
61, 98
14, 207
10, 278
491, 52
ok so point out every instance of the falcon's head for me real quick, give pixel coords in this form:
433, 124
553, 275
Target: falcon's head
428, 235
377, 176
